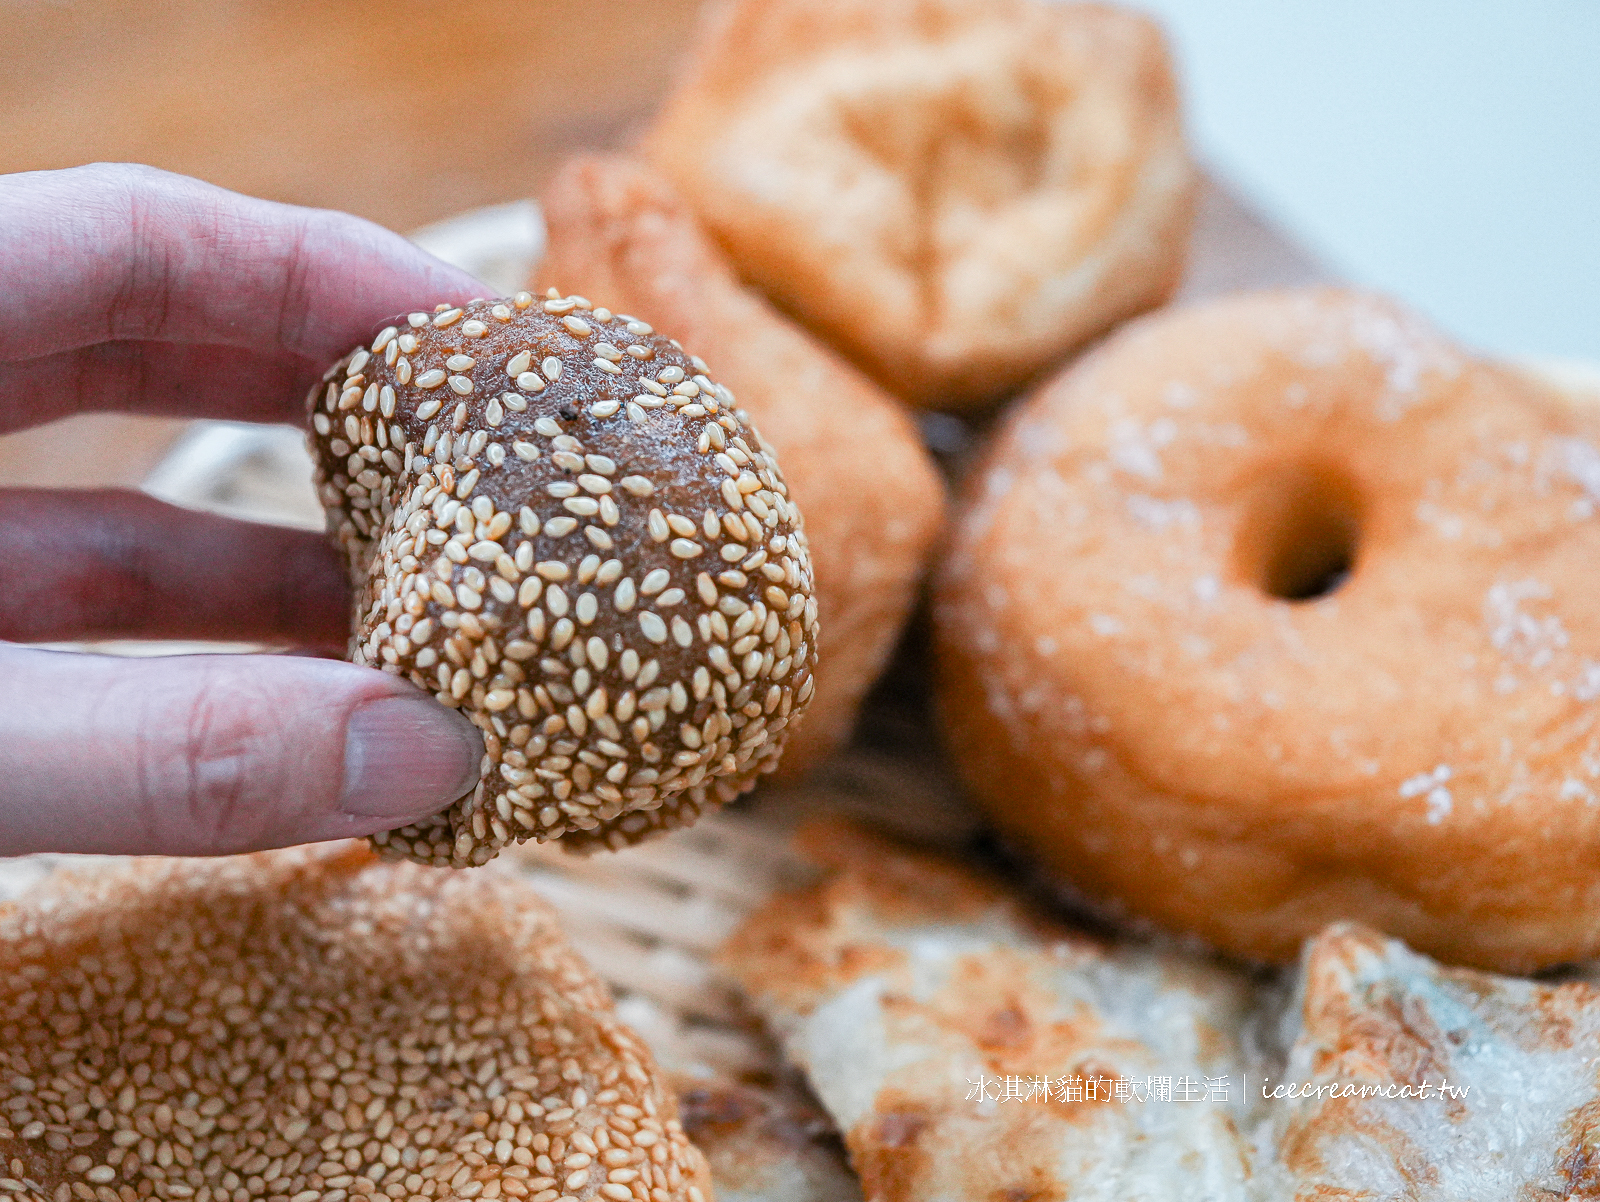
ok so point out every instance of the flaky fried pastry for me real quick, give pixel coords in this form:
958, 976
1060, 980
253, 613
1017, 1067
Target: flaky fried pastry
955, 192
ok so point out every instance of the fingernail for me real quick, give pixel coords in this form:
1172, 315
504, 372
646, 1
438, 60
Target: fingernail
406, 758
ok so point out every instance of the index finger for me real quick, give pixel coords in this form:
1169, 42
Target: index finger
128, 254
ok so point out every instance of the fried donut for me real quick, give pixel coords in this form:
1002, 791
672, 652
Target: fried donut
873, 499
1278, 611
954, 192
555, 520
304, 1022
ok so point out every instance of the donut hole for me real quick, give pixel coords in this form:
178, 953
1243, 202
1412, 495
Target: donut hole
1302, 532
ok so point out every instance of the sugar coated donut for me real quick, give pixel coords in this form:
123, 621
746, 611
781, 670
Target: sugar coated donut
555, 520
1283, 610
312, 1022
954, 192
873, 499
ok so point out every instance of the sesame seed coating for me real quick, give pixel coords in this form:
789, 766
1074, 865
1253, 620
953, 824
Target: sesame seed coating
314, 1025
486, 578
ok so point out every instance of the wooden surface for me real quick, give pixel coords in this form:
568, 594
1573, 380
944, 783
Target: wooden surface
404, 111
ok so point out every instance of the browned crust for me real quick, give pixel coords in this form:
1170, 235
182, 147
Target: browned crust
313, 1020
1416, 750
872, 498
558, 522
956, 193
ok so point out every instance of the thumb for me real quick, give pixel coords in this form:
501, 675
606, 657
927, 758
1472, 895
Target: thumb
214, 754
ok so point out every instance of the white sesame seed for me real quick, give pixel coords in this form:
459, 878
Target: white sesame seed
525, 450
530, 382
473, 329
653, 627
518, 363
685, 548
604, 408
431, 378
548, 426
551, 368
460, 362
448, 318
461, 385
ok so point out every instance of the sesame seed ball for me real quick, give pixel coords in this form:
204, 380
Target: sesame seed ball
315, 1025
559, 523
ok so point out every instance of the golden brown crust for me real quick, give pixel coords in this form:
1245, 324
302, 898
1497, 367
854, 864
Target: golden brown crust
1418, 749
872, 498
913, 992
556, 521
954, 192
313, 1022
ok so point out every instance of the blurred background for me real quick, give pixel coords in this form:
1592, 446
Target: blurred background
1448, 153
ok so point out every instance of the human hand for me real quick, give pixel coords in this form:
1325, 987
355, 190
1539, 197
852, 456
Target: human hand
126, 288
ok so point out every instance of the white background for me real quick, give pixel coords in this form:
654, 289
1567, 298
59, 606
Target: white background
1447, 151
